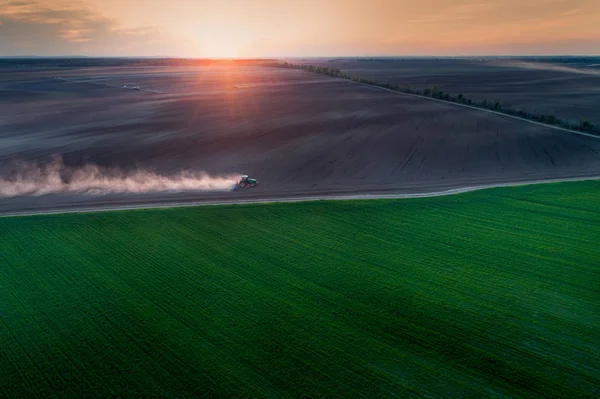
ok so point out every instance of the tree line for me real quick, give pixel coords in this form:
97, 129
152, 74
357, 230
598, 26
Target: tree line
435, 92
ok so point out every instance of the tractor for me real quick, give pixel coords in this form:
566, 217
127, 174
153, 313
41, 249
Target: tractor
245, 182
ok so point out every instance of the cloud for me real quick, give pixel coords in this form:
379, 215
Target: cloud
33, 11
341, 27
454, 14
65, 28
138, 31
572, 12
75, 35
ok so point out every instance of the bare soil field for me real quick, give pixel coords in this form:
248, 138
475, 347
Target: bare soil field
570, 92
298, 133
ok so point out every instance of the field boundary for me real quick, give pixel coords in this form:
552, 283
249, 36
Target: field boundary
308, 198
586, 129
595, 136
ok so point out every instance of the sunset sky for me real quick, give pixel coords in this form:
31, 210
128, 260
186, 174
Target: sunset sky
279, 28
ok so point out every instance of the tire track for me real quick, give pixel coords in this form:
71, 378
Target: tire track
306, 198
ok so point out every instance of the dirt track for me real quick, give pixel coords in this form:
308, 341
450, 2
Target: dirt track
168, 202
299, 133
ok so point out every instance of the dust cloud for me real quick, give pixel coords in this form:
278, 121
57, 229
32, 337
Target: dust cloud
548, 67
55, 177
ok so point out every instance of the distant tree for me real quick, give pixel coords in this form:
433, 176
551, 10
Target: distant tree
586, 125
435, 92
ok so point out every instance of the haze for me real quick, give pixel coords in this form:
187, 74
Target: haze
282, 28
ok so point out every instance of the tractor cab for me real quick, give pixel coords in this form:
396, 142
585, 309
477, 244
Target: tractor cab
245, 182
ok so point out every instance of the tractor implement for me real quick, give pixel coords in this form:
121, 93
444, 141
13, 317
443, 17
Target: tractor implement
245, 182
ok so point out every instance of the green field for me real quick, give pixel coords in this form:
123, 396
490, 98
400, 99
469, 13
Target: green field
493, 293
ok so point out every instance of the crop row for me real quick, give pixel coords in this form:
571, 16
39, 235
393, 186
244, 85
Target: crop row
491, 291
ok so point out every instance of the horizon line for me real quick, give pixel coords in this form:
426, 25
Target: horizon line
300, 56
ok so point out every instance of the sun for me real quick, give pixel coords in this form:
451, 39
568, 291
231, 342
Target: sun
221, 46
221, 52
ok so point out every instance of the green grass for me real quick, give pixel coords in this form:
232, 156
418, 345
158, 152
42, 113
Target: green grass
493, 293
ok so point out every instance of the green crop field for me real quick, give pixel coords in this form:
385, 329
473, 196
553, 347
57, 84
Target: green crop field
493, 293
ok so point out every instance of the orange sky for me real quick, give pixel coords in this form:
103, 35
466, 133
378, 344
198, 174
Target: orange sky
259, 28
